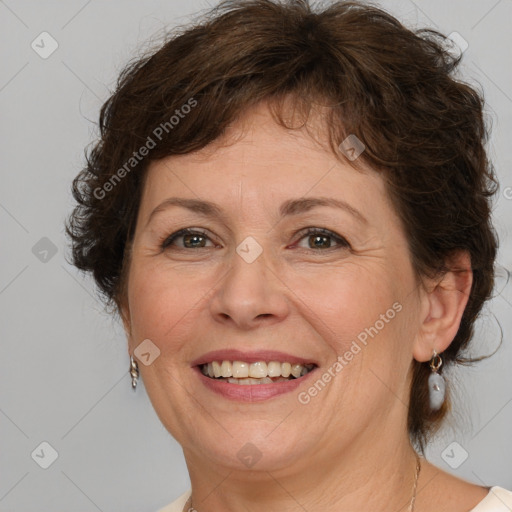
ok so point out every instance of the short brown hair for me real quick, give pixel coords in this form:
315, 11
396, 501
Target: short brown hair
392, 87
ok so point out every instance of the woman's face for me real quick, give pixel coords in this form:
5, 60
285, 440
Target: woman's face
290, 251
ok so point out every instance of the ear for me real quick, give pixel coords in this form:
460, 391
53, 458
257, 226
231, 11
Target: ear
443, 302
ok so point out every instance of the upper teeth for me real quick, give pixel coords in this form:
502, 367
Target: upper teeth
258, 370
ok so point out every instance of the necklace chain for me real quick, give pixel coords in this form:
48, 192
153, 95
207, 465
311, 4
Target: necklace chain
413, 499
411, 504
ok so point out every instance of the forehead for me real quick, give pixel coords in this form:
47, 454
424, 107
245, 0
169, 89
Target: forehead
259, 162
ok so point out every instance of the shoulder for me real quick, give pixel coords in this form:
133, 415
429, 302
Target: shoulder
454, 494
497, 500
178, 504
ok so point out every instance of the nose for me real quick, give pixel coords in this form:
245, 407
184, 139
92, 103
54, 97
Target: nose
249, 295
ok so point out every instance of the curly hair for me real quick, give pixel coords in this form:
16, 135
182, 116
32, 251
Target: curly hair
392, 87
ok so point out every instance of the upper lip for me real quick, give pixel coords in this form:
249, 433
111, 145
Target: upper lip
251, 357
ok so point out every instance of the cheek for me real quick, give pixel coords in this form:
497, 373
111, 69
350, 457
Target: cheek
163, 304
346, 304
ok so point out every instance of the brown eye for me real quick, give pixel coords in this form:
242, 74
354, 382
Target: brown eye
187, 239
194, 241
319, 241
322, 239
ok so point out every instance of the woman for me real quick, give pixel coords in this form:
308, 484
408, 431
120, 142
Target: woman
289, 210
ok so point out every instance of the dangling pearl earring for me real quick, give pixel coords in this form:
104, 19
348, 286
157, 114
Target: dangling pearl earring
436, 383
134, 372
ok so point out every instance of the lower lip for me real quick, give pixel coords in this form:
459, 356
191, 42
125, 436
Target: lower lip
251, 392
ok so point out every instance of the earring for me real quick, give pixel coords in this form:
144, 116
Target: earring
436, 383
134, 372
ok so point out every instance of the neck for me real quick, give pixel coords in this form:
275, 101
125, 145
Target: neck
380, 479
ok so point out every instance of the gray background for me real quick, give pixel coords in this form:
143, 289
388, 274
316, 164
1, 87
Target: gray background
63, 376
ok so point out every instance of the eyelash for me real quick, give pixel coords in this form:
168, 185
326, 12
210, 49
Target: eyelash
342, 242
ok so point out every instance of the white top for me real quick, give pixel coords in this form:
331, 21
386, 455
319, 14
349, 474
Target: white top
498, 500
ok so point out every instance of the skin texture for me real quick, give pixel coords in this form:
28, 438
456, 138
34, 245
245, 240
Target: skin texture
296, 298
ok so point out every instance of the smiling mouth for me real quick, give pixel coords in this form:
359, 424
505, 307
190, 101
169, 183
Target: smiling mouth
261, 372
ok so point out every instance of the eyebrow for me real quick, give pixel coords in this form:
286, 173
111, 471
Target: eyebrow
288, 208
302, 205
